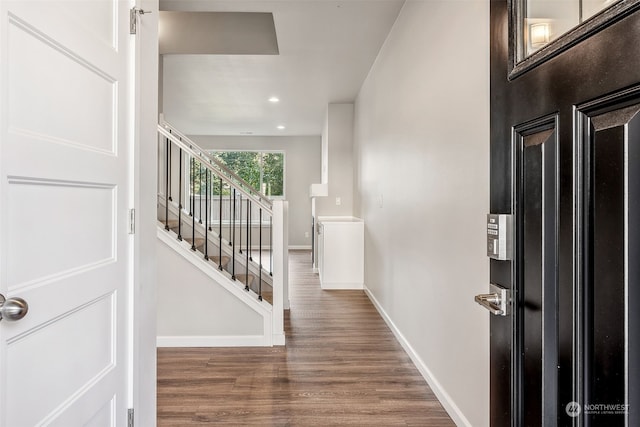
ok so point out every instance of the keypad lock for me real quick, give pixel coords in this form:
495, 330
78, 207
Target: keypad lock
500, 236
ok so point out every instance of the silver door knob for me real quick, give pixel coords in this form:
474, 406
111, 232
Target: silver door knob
13, 309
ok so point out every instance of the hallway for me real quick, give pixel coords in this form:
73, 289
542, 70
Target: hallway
341, 366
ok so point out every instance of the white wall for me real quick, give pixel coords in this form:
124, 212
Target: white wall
302, 168
422, 157
191, 304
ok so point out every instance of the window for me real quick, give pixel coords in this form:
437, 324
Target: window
263, 170
542, 29
545, 21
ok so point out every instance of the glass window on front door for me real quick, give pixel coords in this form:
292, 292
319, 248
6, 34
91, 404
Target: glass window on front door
543, 21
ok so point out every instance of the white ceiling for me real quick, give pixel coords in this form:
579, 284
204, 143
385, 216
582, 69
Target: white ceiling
326, 50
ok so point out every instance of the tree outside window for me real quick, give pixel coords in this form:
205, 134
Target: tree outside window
262, 170
273, 174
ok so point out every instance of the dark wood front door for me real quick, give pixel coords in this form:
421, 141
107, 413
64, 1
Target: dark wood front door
565, 161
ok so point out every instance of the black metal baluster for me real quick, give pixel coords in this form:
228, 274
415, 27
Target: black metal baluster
248, 248
240, 225
260, 256
192, 182
169, 168
180, 197
166, 190
271, 245
211, 197
231, 196
220, 229
206, 215
193, 204
233, 238
200, 192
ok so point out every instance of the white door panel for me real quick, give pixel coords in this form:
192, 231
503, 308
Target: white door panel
42, 208
79, 344
89, 94
65, 190
83, 416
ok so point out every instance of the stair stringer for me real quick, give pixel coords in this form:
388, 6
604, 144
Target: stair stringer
213, 237
235, 288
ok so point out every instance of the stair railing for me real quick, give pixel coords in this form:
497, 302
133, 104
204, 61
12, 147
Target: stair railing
197, 203
230, 214
222, 169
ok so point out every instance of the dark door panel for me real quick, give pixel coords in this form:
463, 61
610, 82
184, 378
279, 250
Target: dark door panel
535, 302
565, 161
610, 146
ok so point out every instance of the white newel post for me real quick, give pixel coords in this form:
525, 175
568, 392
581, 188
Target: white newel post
280, 268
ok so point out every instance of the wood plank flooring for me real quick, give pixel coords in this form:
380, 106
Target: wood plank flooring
341, 366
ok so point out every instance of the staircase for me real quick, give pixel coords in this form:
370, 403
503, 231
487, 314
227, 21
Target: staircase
224, 228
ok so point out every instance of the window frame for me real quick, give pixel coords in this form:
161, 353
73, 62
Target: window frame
592, 25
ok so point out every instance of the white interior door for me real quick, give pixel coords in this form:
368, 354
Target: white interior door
65, 142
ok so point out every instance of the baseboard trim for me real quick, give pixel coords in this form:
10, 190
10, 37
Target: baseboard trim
341, 285
445, 399
278, 339
212, 341
299, 247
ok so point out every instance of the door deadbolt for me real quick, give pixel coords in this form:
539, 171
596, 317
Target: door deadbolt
12, 309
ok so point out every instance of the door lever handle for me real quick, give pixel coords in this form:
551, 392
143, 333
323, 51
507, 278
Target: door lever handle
491, 302
497, 302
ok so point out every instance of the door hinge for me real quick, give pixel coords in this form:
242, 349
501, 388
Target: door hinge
130, 418
132, 221
133, 18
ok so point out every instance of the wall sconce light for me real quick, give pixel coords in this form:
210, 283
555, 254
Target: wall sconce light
539, 34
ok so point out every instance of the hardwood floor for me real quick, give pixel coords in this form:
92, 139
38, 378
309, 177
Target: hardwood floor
341, 366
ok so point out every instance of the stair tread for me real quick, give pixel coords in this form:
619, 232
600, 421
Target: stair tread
267, 293
243, 278
199, 240
267, 296
216, 260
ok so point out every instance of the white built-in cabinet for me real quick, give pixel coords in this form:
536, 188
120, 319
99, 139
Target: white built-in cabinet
341, 252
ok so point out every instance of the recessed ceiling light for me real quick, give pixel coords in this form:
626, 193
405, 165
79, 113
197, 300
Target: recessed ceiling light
281, 127
274, 99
